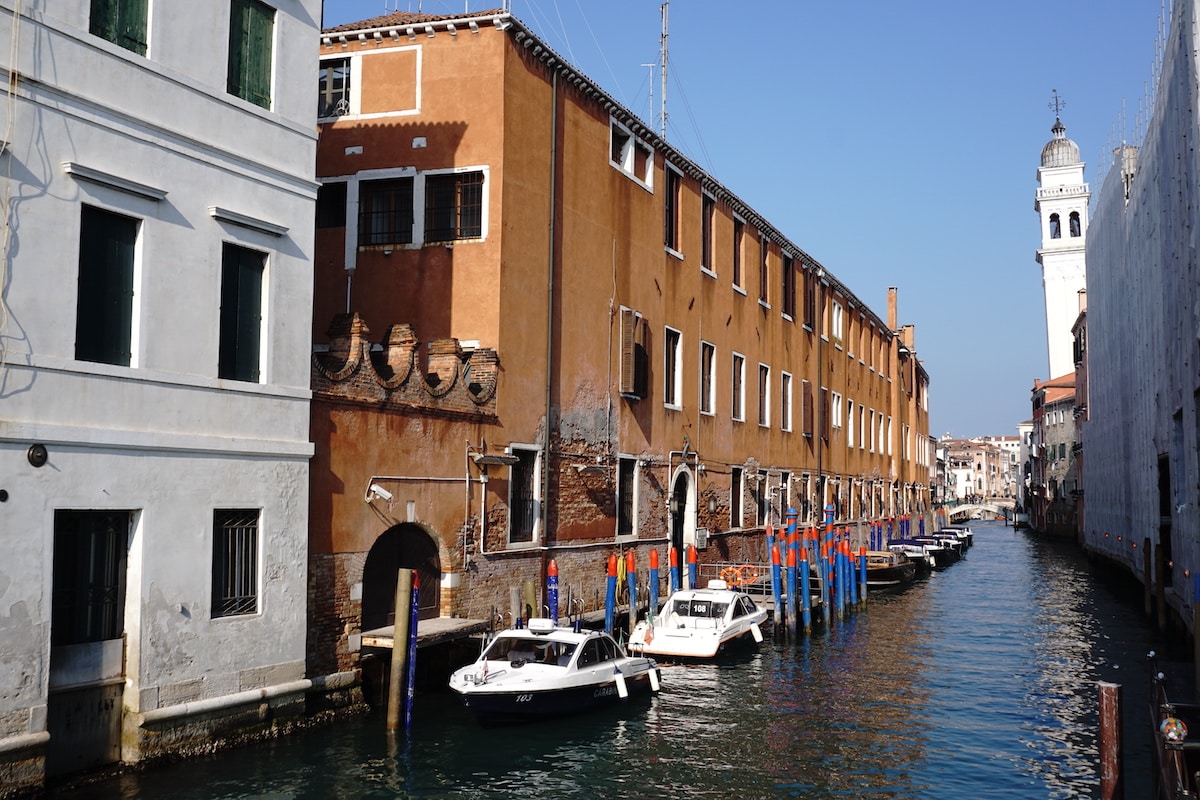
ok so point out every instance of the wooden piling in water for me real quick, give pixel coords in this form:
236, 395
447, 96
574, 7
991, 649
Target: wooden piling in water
399, 666
1112, 782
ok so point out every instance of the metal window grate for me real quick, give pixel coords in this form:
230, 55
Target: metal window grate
235, 562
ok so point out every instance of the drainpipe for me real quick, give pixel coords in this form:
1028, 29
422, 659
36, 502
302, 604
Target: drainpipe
550, 315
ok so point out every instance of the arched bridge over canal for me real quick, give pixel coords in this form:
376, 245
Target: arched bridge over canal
997, 507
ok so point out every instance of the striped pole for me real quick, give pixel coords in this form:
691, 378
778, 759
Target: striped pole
862, 574
776, 585
791, 596
610, 597
672, 570
805, 592
631, 577
552, 589
691, 565
653, 585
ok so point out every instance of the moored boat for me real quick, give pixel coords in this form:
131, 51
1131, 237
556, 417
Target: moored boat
964, 534
699, 623
545, 670
921, 554
889, 568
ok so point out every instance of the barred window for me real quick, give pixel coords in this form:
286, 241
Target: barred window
385, 212
235, 562
453, 206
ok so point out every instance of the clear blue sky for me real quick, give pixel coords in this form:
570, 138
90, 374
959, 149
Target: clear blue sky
897, 143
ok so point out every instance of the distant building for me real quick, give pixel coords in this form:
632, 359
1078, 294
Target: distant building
1054, 476
564, 340
981, 468
154, 372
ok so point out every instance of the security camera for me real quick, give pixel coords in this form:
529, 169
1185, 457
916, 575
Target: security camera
380, 492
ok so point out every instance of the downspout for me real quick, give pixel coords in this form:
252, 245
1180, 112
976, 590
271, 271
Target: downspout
550, 312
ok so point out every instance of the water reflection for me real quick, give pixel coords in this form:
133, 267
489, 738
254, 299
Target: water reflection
979, 681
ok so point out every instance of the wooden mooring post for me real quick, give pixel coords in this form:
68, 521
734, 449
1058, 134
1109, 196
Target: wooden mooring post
396, 697
1112, 782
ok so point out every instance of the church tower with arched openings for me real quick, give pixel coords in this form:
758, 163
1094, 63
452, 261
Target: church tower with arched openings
1062, 207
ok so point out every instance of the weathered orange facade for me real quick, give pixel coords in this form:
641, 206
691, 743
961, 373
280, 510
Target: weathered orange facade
642, 359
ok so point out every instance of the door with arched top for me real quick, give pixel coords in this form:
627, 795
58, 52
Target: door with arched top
406, 546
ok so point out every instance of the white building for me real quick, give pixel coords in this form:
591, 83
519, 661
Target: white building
154, 367
1143, 428
1062, 206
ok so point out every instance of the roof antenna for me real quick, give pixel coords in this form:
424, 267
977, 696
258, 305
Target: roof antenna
663, 55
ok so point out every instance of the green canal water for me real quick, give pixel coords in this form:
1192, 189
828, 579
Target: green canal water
978, 682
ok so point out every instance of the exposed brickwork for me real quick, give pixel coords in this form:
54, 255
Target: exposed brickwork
333, 616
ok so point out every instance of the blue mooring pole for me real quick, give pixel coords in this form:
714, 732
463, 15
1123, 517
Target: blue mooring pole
791, 592
805, 592
552, 589
653, 585
410, 689
610, 597
777, 586
672, 570
862, 575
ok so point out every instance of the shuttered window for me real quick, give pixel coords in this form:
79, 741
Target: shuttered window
104, 313
634, 354
122, 22
241, 313
806, 411
251, 34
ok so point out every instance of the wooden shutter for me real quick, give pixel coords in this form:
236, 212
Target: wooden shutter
251, 31
241, 314
635, 366
104, 308
806, 399
628, 326
824, 420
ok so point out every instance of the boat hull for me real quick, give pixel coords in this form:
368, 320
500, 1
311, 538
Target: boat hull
501, 707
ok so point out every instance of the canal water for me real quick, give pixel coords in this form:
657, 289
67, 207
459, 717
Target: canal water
979, 681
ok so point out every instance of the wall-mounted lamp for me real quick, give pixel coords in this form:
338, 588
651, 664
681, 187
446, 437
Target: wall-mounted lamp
712, 504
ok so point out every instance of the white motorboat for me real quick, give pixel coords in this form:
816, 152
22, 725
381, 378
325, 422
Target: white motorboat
546, 670
699, 623
963, 532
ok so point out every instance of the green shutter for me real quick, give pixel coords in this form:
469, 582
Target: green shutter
241, 314
251, 29
103, 322
121, 22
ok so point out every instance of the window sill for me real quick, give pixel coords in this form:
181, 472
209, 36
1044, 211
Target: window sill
672, 407
671, 251
787, 317
708, 272
764, 305
739, 290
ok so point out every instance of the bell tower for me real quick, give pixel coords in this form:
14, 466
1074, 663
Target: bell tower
1062, 207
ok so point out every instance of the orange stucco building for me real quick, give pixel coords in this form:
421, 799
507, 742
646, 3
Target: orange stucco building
543, 333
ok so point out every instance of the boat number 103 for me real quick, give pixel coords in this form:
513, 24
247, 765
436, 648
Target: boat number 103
524, 698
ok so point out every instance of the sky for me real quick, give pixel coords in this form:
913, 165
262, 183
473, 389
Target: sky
895, 143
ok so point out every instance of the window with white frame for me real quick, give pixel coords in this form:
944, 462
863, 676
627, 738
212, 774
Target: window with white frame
708, 215
736, 491
708, 378
785, 401
626, 496
869, 433
849, 423
864, 433
764, 395
739, 388
414, 209
739, 236
835, 411
889, 436
630, 155
524, 496
235, 562
453, 206
333, 88
672, 196
672, 367
837, 322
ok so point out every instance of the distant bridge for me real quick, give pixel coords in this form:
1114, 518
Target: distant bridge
1001, 507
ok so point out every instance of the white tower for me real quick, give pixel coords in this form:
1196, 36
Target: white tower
1062, 205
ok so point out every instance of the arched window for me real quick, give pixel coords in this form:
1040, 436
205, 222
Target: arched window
1055, 227
1074, 223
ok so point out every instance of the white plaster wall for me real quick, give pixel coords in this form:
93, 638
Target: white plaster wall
1143, 303
164, 438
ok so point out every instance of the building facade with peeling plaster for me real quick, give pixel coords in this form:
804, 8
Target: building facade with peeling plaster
542, 333
154, 378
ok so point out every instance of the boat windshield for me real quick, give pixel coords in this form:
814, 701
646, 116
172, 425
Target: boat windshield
511, 648
700, 608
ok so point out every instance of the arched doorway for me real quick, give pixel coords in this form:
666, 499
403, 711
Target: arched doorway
683, 517
409, 546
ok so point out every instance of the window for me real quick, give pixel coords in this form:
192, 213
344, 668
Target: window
629, 155
835, 411
869, 433
739, 387
735, 497
785, 401
671, 198
453, 206
708, 213
634, 354
331, 205
122, 22
251, 25
241, 313
1055, 227
849, 423
837, 322
789, 287
739, 233
672, 369
708, 380
889, 434
764, 394
1074, 223
88, 594
763, 273
626, 513
864, 432
811, 285
523, 501
823, 413
385, 212
806, 406
235, 562
333, 88
104, 310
